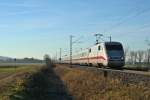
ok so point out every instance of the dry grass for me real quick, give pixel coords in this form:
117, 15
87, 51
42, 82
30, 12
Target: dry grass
41, 85
82, 85
85, 85
12, 77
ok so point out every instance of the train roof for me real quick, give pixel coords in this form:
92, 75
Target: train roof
107, 43
113, 42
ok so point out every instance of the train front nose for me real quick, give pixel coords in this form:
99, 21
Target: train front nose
116, 61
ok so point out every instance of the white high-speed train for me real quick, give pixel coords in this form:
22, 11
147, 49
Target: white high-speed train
106, 54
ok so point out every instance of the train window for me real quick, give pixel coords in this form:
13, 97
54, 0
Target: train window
90, 50
99, 48
114, 47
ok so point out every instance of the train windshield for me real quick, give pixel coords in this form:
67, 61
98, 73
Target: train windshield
115, 51
114, 47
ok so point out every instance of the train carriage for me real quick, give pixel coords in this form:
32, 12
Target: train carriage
107, 54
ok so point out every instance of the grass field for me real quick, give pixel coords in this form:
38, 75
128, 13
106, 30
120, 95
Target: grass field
11, 75
87, 85
31, 83
63, 83
139, 67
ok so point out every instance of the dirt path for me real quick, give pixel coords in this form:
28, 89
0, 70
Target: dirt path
43, 85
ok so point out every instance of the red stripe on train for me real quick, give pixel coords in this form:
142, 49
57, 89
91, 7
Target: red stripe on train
91, 58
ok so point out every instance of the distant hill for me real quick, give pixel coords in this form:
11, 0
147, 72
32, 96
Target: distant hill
2, 58
17, 60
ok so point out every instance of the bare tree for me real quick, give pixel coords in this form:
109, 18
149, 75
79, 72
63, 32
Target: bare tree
140, 54
126, 52
133, 57
148, 56
148, 51
148, 42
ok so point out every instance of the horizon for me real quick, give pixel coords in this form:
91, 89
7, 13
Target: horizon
33, 28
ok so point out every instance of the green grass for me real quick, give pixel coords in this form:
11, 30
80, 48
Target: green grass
139, 67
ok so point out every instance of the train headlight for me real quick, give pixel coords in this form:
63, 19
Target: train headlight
122, 58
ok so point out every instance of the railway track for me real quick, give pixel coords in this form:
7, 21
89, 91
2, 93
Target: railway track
126, 76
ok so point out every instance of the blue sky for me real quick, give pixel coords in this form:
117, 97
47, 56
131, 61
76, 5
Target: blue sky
32, 28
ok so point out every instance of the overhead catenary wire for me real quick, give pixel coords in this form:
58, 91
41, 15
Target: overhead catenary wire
124, 19
78, 40
71, 46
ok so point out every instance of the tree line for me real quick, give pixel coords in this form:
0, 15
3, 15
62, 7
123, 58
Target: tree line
137, 56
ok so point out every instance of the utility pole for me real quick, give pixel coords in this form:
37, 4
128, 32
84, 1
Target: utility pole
110, 38
71, 44
71, 50
60, 56
56, 56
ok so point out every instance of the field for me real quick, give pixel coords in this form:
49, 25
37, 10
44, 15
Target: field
87, 85
31, 82
11, 75
58, 82
140, 67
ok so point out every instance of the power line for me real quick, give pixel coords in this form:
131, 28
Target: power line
101, 36
78, 40
124, 19
98, 36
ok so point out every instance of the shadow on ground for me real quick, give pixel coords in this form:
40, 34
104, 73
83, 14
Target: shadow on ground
43, 85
